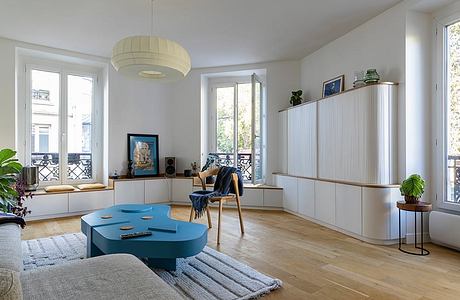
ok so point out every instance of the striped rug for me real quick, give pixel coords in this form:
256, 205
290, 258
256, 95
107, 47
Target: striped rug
209, 275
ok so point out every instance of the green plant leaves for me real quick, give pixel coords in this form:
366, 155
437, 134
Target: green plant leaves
6, 154
413, 186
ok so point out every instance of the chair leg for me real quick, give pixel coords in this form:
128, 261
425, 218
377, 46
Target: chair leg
240, 215
219, 222
192, 214
208, 212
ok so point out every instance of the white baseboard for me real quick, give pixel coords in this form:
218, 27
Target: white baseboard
410, 238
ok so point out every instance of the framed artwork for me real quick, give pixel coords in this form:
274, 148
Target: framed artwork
143, 152
333, 86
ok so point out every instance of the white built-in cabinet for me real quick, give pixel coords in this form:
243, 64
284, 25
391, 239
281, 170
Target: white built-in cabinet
94, 200
129, 192
368, 213
338, 165
181, 189
157, 191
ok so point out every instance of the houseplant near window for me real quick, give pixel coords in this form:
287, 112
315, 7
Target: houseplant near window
412, 188
9, 170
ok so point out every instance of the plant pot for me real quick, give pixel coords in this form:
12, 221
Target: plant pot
411, 199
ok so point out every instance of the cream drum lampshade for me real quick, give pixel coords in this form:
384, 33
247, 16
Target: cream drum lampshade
151, 57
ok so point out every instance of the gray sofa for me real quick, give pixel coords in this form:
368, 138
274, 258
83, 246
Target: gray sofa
118, 276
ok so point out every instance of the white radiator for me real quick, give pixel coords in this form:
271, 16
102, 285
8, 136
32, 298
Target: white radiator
445, 229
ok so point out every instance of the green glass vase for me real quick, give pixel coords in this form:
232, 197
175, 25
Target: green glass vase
371, 76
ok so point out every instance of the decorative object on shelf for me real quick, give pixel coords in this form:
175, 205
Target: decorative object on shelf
10, 168
333, 86
296, 97
212, 161
188, 173
151, 57
114, 175
143, 151
371, 76
194, 168
130, 173
412, 188
29, 177
359, 79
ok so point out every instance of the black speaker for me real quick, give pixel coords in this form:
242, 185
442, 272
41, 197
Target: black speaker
170, 166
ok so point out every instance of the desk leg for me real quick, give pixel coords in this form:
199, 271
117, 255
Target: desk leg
399, 235
162, 263
421, 246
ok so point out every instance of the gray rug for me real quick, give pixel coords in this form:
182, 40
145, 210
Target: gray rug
209, 275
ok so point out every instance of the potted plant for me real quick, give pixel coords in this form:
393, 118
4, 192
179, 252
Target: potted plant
412, 188
296, 97
9, 170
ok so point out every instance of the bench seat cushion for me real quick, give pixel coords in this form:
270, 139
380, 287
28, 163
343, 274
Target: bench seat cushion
117, 276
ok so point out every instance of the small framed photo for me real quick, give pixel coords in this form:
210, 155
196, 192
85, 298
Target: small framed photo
333, 86
143, 152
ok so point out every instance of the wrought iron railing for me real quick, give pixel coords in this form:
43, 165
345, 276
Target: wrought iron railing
79, 165
453, 164
244, 163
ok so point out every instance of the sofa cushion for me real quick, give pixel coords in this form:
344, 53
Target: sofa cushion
117, 276
10, 285
10, 247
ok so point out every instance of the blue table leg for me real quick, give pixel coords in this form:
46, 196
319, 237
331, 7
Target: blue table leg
91, 249
163, 263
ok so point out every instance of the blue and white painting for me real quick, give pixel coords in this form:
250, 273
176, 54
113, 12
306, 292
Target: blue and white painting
333, 86
143, 152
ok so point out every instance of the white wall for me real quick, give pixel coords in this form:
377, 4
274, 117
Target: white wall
135, 106
378, 43
282, 78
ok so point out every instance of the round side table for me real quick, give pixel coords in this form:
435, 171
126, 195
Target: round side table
420, 207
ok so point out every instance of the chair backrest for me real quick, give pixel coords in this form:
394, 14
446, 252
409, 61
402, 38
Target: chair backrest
212, 172
205, 174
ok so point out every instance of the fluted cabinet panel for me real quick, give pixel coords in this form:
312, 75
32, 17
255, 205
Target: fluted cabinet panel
283, 141
327, 142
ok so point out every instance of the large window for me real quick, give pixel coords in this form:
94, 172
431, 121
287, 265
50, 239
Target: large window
238, 125
448, 92
60, 122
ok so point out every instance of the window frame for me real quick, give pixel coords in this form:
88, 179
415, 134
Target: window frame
64, 69
441, 119
234, 81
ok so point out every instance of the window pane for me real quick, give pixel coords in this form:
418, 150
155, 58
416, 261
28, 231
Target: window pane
79, 127
225, 120
453, 112
45, 110
245, 130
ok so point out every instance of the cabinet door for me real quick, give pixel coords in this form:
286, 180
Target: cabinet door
307, 142
306, 196
181, 189
51, 204
293, 141
348, 207
283, 141
377, 208
85, 201
157, 191
327, 142
252, 197
273, 198
129, 192
289, 185
325, 202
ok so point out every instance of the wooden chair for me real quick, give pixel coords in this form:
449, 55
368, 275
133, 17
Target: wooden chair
222, 199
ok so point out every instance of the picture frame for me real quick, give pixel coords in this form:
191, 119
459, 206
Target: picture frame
333, 86
143, 152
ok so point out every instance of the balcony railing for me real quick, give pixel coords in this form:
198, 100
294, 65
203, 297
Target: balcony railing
79, 165
453, 166
244, 163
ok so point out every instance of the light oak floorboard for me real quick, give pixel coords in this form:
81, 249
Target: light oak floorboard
314, 262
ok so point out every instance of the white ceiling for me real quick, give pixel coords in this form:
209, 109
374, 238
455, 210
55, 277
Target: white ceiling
215, 32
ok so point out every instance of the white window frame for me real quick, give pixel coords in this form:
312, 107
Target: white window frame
441, 84
223, 82
25, 101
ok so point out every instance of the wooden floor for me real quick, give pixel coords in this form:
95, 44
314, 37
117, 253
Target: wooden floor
315, 262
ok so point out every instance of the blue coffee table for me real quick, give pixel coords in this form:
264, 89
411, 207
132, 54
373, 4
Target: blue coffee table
171, 239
